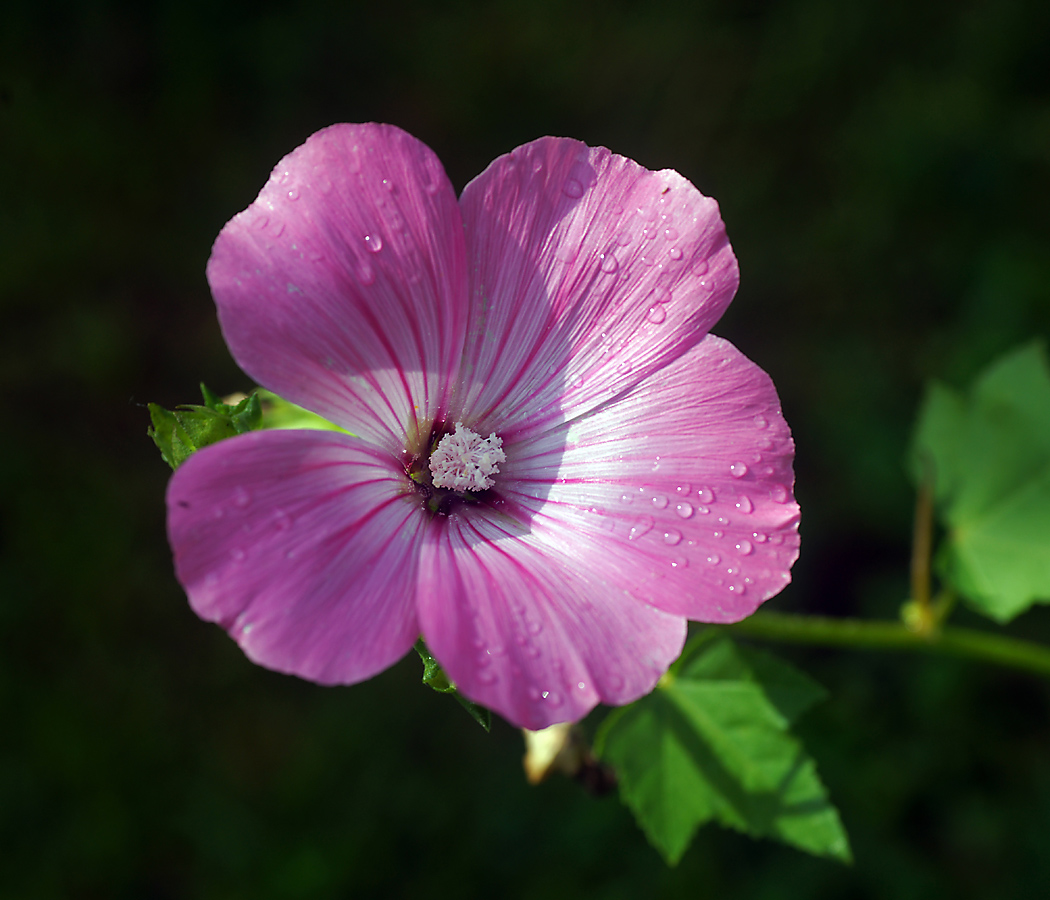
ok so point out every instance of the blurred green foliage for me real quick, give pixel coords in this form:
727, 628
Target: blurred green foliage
884, 172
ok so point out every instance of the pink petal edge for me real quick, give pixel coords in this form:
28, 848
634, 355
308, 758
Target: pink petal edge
343, 286
304, 546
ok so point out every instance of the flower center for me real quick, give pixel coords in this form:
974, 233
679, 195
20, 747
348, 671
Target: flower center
465, 461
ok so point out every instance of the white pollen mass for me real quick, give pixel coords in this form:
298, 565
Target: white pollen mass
465, 461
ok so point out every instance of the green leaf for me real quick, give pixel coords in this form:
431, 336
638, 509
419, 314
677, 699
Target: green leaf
179, 433
989, 449
279, 413
713, 743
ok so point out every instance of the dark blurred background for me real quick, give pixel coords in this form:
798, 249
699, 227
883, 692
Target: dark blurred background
884, 172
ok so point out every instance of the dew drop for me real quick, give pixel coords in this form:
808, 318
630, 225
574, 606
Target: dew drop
737, 589
241, 497
674, 253
623, 238
744, 504
776, 539
659, 295
745, 547
699, 266
671, 234
656, 314
779, 493
722, 520
684, 509
761, 422
705, 494
293, 194
738, 469
683, 490
533, 627
703, 510
679, 562
581, 685
760, 537
572, 188
488, 677
641, 527
365, 272
388, 183
278, 229
261, 222
716, 535
714, 559
373, 243
608, 263
659, 501
672, 536
626, 498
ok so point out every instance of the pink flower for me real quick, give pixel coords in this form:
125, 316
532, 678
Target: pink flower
554, 464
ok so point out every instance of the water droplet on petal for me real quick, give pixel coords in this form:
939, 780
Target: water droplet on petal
745, 547
572, 188
674, 253
779, 493
626, 498
703, 510
642, 526
705, 494
241, 497
700, 266
672, 537
722, 520
737, 589
373, 243
388, 183
760, 537
659, 295
261, 222
717, 535
777, 539
744, 504
488, 677
671, 234
738, 469
761, 422
293, 194
608, 263
365, 272
684, 509
656, 314
623, 238
659, 501
714, 559
533, 627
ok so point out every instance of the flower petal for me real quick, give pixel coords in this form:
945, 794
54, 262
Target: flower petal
589, 273
343, 286
680, 490
531, 630
303, 545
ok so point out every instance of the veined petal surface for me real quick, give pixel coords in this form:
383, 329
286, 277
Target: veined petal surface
680, 490
532, 630
588, 273
343, 286
304, 546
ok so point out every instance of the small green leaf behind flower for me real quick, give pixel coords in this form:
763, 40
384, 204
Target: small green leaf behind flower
181, 432
713, 742
989, 448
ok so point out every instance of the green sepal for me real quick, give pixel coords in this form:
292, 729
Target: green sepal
713, 743
989, 450
435, 677
280, 413
181, 432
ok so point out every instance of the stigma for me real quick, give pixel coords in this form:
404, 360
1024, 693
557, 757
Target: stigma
465, 461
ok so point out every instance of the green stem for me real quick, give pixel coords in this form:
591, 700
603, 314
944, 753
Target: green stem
963, 642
